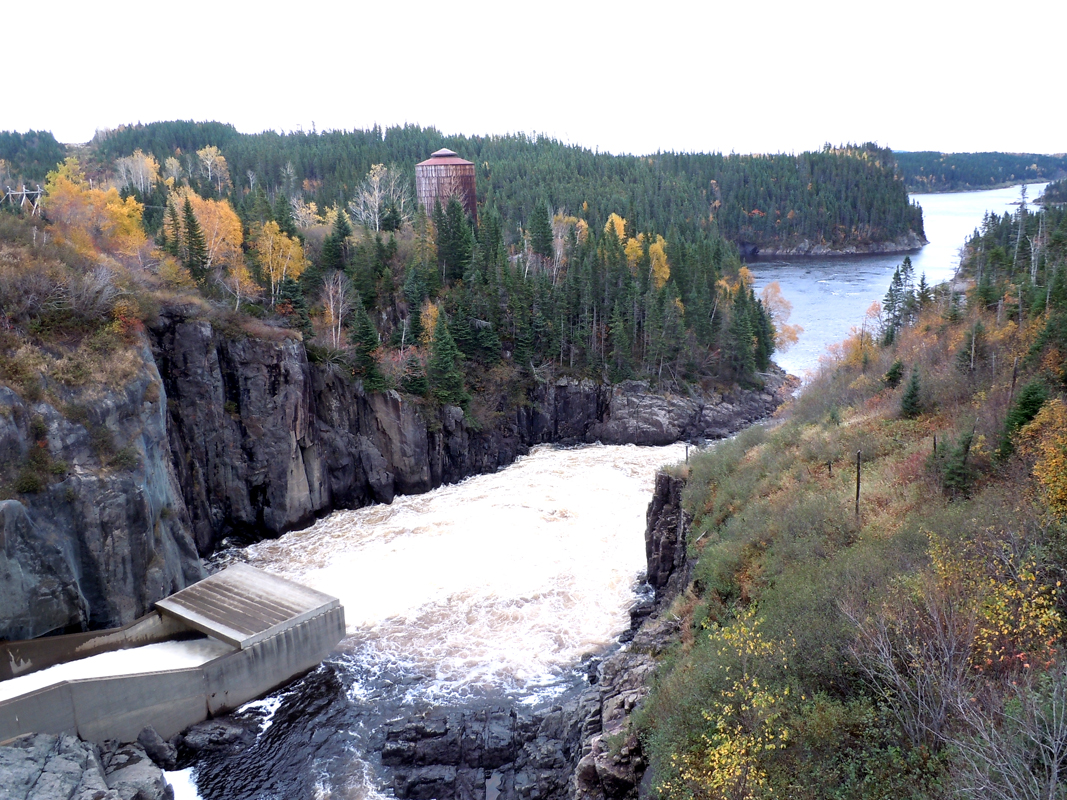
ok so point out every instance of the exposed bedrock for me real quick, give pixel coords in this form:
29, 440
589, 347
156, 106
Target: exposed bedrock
222, 435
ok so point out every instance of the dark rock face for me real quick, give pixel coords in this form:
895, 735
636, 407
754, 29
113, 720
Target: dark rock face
105, 540
263, 441
493, 751
227, 436
612, 764
666, 525
44, 766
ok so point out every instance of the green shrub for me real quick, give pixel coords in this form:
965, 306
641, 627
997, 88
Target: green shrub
892, 377
126, 458
38, 428
29, 482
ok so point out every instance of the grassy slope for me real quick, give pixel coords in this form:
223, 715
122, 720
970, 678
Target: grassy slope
832, 655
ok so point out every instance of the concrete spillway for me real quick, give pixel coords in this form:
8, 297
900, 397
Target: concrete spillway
262, 631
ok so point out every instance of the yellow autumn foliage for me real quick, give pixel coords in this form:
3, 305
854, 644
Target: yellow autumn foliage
92, 219
618, 224
1045, 440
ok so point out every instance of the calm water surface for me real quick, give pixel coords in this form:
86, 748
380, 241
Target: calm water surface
830, 295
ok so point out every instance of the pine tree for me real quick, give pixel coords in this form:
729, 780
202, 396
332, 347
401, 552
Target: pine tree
446, 379
194, 247
911, 402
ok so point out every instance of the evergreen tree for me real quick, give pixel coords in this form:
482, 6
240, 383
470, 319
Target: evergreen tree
194, 246
911, 402
541, 240
414, 379
335, 246
364, 340
291, 303
283, 215
446, 379
621, 365
455, 240
172, 232
1023, 410
741, 346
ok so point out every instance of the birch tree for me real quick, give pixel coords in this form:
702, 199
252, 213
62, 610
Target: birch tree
279, 257
336, 304
213, 165
383, 190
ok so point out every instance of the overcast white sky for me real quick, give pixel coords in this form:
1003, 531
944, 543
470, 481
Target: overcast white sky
699, 76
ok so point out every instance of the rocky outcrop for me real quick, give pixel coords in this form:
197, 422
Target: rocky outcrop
908, 243
264, 441
612, 763
105, 533
494, 751
220, 434
45, 766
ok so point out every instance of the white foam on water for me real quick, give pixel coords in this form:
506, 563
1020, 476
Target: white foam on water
502, 581
159, 657
183, 781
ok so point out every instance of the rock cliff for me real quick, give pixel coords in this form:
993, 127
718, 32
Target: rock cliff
612, 764
219, 434
105, 533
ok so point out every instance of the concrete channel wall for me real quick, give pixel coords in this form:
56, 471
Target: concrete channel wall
120, 707
30, 655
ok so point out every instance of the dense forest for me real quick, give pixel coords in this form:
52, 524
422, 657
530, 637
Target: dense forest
834, 196
27, 157
906, 641
928, 171
438, 306
1055, 192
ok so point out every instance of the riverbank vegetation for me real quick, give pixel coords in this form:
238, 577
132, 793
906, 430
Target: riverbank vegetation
910, 644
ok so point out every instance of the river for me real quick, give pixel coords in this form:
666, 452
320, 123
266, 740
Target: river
831, 295
496, 593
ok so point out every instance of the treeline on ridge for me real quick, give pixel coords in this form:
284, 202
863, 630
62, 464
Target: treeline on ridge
837, 195
929, 171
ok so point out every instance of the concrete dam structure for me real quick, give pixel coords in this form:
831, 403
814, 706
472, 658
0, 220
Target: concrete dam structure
205, 650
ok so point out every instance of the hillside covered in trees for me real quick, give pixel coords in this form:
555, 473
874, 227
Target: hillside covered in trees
833, 196
909, 643
929, 171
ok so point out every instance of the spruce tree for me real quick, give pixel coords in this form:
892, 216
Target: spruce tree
335, 246
172, 232
541, 231
414, 379
446, 379
1023, 410
283, 215
194, 246
291, 301
910, 402
364, 339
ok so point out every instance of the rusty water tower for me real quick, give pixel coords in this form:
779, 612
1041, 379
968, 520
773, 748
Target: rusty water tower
443, 175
